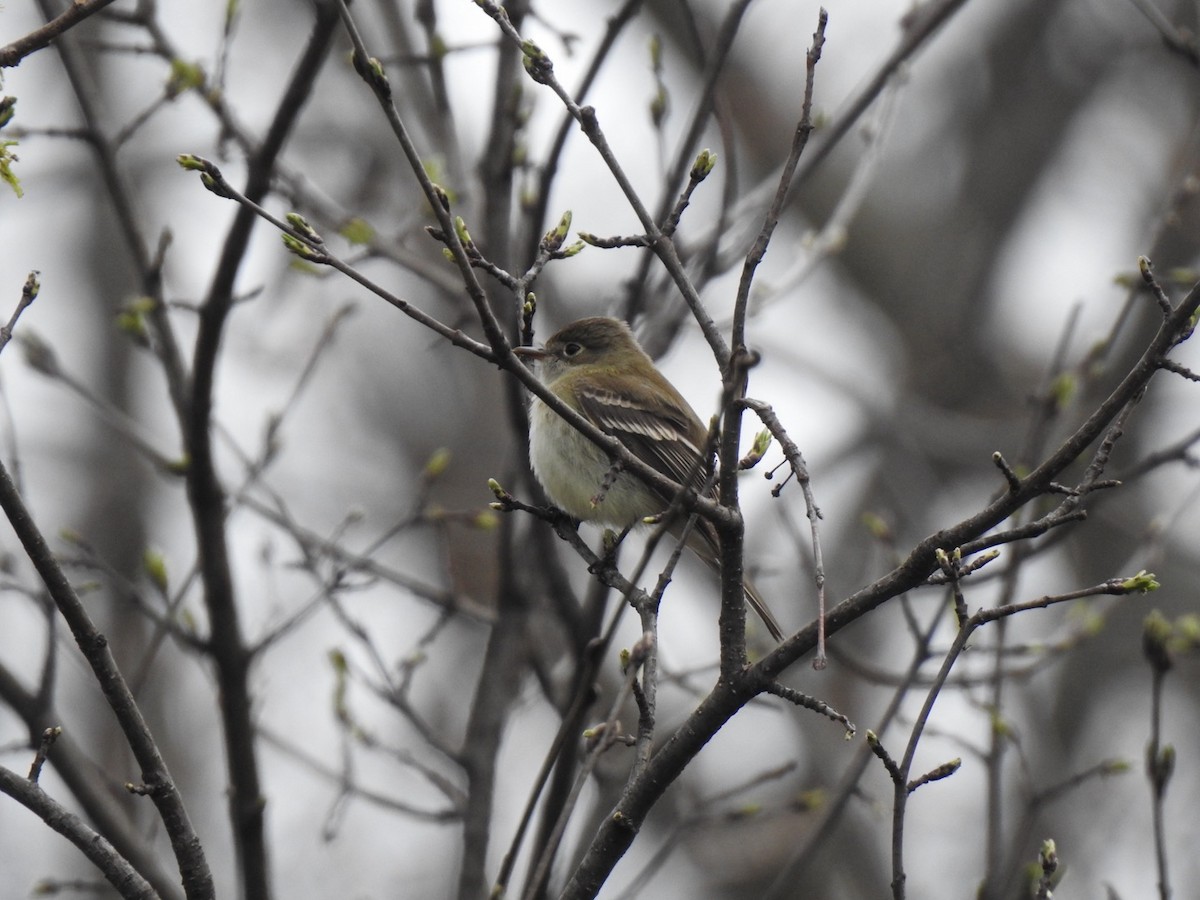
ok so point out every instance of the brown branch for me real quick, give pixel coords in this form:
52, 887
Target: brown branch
619, 828
206, 496
117, 870
193, 867
40, 38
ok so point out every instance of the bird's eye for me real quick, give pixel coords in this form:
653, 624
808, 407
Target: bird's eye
572, 348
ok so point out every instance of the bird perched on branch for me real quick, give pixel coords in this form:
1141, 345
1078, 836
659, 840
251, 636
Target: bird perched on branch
596, 367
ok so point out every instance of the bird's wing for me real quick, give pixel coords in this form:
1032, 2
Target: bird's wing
665, 437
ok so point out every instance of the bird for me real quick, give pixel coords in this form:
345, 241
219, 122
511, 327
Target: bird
596, 366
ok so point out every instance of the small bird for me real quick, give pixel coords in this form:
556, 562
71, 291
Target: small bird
597, 368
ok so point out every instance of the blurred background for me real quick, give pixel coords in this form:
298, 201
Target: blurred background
969, 243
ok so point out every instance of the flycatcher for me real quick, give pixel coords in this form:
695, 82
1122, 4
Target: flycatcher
598, 369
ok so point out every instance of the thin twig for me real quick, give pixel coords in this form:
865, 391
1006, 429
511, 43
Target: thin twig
40, 38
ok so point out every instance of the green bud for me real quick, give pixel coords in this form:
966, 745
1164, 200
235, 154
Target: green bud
301, 226
437, 463
444, 197
299, 248
31, 288
703, 166
536, 62
553, 239
185, 76
533, 51
1187, 630
876, 526
460, 228
191, 162
1143, 582
133, 323
211, 179
155, 567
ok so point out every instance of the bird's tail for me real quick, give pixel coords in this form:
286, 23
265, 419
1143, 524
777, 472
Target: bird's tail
703, 542
759, 605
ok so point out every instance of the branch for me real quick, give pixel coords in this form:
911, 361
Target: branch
206, 496
618, 829
40, 38
197, 878
116, 869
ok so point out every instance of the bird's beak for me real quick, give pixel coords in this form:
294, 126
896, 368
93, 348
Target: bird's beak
533, 353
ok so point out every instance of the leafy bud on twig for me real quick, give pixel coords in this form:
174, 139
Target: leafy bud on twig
191, 162
762, 442
553, 239
703, 166
537, 63
1143, 582
299, 248
301, 226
